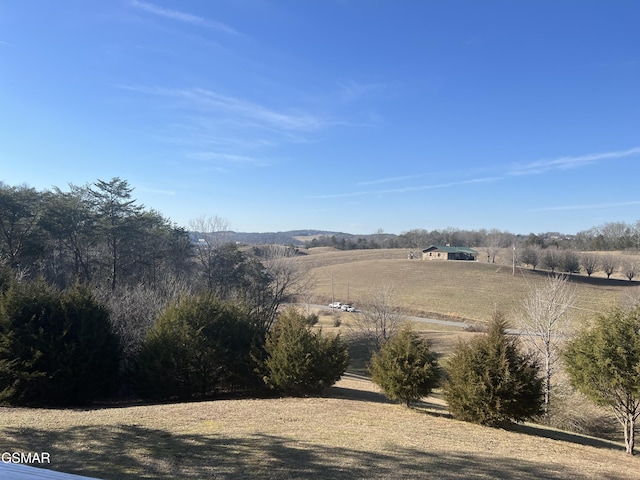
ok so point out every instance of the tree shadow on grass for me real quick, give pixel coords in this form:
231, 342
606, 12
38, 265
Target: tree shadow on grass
438, 410
539, 431
354, 394
359, 354
586, 280
122, 452
431, 409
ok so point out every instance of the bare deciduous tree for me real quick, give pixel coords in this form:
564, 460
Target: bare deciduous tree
289, 279
530, 255
630, 299
608, 264
544, 322
494, 242
211, 232
629, 268
380, 317
550, 259
570, 262
133, 310
589, 262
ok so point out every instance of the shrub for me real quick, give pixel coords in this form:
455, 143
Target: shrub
405, 368
603, 363
312, 319
300, 361
490, 382
197, 347
56, 348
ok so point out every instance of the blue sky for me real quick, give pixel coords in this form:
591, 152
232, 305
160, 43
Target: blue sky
341, 115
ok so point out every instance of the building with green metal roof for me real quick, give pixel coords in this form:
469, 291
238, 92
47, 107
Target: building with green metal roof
439, 252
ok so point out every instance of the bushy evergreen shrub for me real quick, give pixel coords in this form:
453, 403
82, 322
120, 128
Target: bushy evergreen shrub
300, 361
197, 348
405, 368
603, 363
490, 382
56, 348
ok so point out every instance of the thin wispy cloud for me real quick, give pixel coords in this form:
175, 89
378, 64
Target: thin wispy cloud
341, 195
534, 168
592, 206
181, 16
224, 131
229, 158
388, 180
443, 185
4, 43
239, 110
566, 163
260, 114
411, 189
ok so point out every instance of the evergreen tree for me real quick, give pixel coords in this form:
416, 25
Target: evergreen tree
405, 368
490, 382
300, 361
603, 362
56, 348
196, 348
116, 213
69, 224
21, 242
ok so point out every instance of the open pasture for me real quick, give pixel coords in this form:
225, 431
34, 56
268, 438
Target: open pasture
469, 291
352, 432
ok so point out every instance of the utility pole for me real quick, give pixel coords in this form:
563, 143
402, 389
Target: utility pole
514, 259
333, 299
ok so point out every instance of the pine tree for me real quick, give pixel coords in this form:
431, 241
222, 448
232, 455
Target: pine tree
603, 362
405, 368
490, 382
300, 361
56, 348
196, 348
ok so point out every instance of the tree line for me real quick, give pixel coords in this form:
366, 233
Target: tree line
95, 234
570, 262
100, 297
611, 236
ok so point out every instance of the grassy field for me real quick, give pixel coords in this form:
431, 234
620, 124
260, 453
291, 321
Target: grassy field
469, 291
352, 432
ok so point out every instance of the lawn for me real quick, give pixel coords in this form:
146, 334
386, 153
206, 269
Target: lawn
351, 432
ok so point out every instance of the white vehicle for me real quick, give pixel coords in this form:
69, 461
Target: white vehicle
335, 305
347, 308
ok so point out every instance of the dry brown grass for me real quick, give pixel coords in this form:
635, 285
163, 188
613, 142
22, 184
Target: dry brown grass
464, 290
352, 432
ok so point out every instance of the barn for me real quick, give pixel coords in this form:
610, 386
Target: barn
439, 252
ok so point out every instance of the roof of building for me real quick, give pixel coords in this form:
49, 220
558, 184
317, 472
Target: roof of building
450, 249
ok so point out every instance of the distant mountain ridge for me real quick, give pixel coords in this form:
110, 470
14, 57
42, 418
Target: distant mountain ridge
348, 241
291, 237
